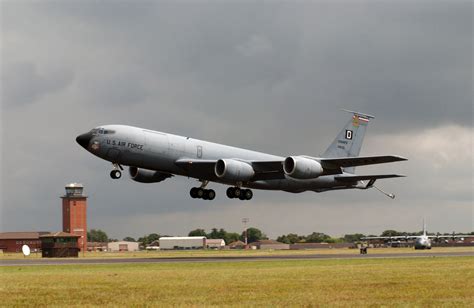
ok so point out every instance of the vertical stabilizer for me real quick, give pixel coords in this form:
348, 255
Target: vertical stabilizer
424, 227
349, 141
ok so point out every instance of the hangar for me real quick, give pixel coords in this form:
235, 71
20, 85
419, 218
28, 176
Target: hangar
185, 242
122, 246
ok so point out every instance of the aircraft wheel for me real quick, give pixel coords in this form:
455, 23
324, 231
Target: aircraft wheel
115, 174
200, 193
230, 193
193, 192
248, 194
211, 194
237, 192
242, 197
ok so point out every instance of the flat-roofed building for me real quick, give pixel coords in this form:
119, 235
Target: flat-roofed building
122, 246
184, 242
59, 245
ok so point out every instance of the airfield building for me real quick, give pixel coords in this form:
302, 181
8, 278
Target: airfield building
13, 241
122, 246
269, 244
188, 242
59, 245
215, 243
75, 213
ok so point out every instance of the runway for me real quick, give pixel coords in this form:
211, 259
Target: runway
71, 261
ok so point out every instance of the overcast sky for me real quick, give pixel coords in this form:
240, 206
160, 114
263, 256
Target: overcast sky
260, 75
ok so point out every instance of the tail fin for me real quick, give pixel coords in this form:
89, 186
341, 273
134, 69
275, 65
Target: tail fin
424, 226
349, 141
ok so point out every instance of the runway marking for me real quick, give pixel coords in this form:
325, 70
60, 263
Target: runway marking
26, 262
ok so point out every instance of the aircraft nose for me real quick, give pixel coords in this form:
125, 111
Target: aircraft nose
84, 140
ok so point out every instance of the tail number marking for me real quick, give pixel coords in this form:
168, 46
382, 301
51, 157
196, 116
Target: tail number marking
348, 134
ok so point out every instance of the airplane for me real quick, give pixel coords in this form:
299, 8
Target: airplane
422, 241
154, 156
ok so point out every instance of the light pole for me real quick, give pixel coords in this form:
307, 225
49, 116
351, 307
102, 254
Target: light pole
245, 221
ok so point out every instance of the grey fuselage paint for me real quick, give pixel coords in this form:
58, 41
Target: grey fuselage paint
153, 150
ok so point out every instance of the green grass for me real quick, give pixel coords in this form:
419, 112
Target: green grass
447, 281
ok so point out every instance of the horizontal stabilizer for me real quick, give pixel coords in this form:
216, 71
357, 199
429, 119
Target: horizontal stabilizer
355, 178
344, 162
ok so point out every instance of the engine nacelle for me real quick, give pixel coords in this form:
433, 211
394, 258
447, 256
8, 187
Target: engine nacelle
233, 170
302, 168
147, 176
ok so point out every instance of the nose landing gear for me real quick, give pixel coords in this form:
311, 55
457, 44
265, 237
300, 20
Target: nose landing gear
116, 173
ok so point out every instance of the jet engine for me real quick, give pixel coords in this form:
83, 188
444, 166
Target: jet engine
302, 168
233, 170
147, 176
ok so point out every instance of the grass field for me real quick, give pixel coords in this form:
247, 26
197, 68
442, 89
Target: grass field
446, 281
239, 253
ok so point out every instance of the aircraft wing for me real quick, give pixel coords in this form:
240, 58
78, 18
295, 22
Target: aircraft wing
264, 170
451, 236
397, 237
355, 178
334, 163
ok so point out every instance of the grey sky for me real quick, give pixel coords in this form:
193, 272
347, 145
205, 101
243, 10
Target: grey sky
263, 76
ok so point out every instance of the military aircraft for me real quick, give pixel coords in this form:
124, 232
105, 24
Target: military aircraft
154, 156
422, 241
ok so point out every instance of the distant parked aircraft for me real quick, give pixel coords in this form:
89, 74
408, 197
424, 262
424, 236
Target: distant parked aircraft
422, 241
155, 156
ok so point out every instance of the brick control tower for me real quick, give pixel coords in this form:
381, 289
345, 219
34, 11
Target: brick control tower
75, 213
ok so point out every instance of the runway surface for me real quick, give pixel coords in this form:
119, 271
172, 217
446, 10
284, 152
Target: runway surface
68, 261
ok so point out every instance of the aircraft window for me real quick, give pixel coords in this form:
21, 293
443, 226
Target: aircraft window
94, 131
109, 131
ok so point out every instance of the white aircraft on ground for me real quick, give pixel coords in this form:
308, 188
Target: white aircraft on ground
155, 156
422, 241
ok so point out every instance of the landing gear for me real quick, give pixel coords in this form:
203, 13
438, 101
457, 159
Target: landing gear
201, 193
116, 173
236, 192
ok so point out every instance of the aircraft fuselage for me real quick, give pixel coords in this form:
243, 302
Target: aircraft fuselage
153, 150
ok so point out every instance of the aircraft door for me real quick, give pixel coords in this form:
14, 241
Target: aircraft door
199, 151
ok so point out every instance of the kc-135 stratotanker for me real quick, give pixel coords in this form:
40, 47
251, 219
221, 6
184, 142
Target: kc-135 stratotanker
154, 156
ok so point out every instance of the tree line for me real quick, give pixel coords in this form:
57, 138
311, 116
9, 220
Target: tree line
253, 235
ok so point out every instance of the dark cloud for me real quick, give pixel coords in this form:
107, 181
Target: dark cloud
22, 83
269, 77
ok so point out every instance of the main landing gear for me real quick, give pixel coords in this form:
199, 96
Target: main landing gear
236, 192
210, 194
116, 173
201, 193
